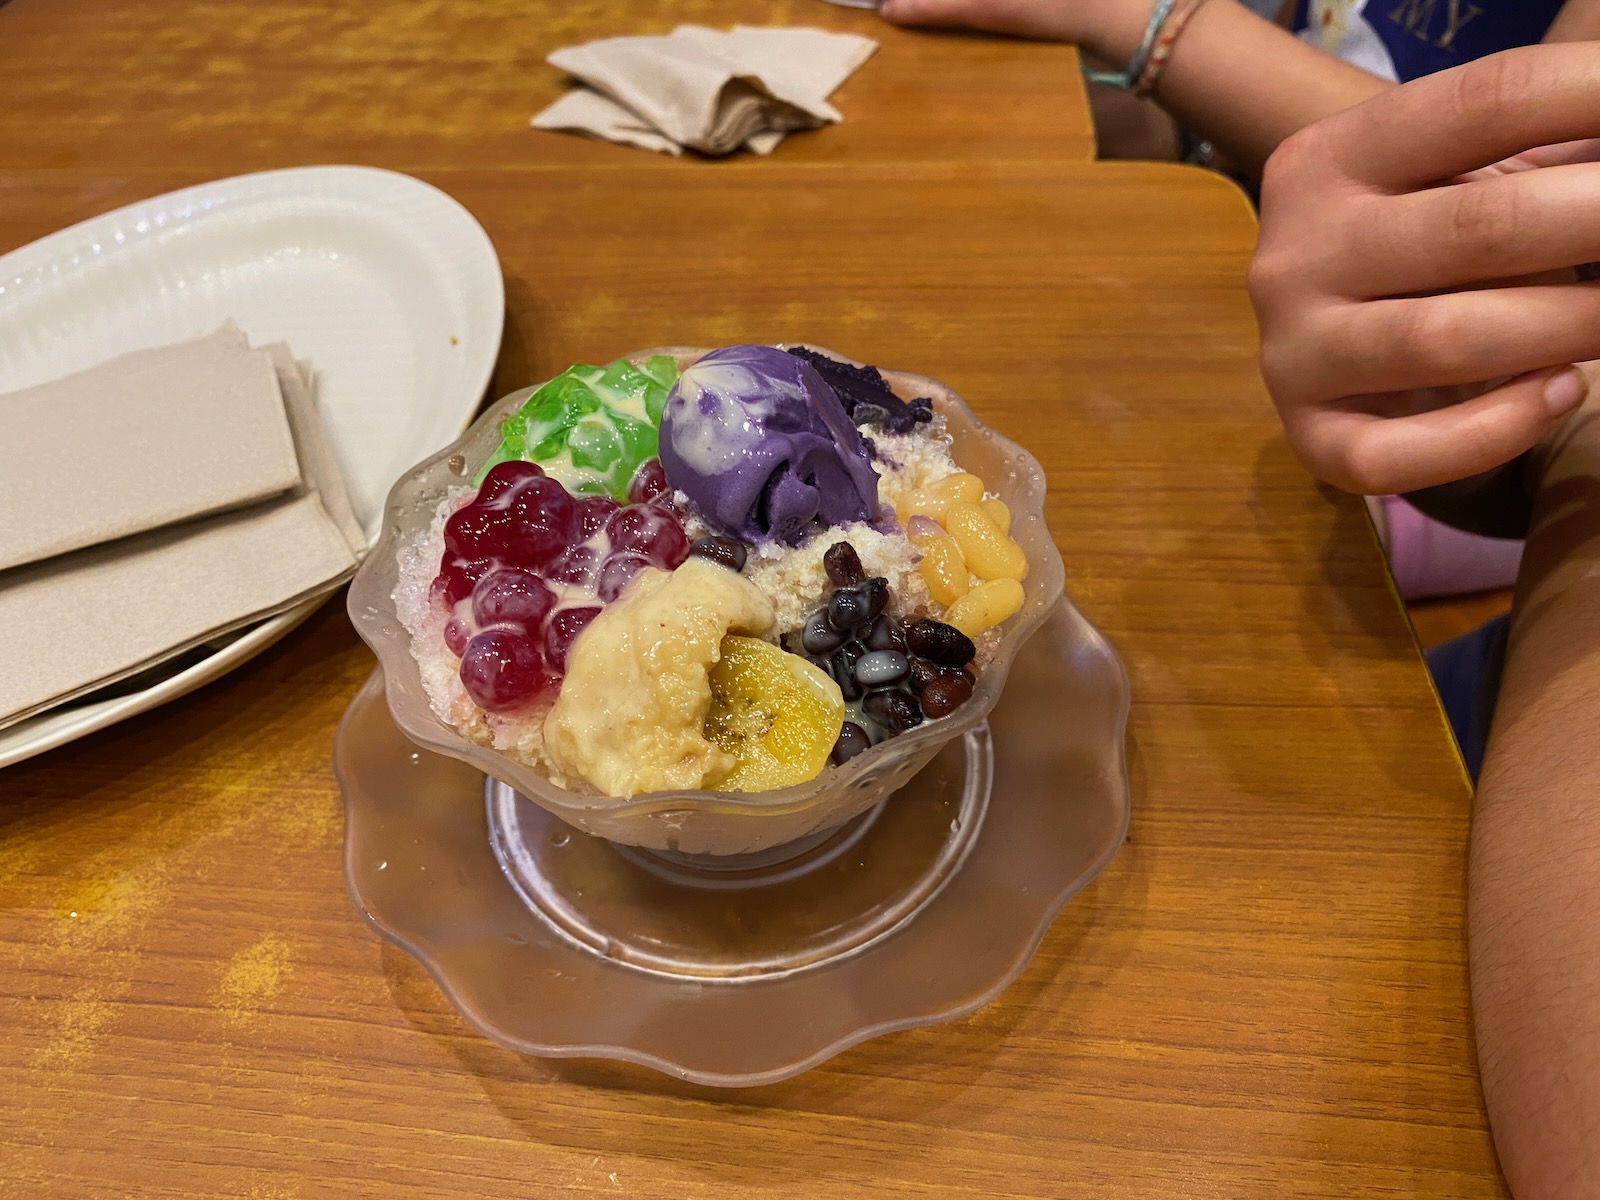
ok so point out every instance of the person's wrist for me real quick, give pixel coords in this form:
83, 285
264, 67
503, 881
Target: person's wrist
1113, 29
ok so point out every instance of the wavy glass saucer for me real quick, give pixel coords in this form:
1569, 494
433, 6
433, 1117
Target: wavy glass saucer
557, 943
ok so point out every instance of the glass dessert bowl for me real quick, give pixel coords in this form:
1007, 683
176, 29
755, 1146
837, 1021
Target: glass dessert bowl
735, 828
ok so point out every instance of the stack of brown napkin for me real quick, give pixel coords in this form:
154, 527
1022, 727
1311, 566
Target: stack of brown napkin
154, 502
704, 90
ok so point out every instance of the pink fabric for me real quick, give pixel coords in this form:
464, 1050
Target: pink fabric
1431, 559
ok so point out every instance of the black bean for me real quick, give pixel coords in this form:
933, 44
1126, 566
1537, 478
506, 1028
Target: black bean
944, 695
853, 652
819, 637
847, 610
843, 565
944, 644
897, 711
923, 672
876, 591
886, 634
730, 552
852, 741
882, 668
842, 668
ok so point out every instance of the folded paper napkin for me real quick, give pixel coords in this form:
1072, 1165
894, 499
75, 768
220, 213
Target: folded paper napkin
163, 553
703, 89
136, 443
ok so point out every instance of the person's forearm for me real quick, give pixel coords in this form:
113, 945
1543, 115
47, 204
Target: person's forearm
1236, 79
1578, 21
1534, 878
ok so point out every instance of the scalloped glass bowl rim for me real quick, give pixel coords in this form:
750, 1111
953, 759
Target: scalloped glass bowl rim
425, 727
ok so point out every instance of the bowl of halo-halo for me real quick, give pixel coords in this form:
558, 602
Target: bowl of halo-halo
697, 821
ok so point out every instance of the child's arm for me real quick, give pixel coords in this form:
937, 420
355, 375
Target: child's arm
1578, 21
1373, 281
1234, 78
1534, 880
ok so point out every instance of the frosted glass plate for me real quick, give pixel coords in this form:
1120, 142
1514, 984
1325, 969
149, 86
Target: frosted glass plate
559, 943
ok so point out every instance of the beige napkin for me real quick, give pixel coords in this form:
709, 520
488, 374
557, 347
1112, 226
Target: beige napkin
77, 622
88, 619
139, 442
319, 467
705, 90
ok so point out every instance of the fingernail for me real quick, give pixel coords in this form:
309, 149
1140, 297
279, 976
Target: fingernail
1564, 392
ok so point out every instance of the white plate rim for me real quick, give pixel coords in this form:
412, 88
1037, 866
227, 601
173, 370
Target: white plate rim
25, 739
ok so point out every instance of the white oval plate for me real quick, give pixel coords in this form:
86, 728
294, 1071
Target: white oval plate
387, 286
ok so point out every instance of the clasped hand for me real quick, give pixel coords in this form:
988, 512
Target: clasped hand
1414, 281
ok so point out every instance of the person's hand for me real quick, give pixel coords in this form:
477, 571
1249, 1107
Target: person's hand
1419, 314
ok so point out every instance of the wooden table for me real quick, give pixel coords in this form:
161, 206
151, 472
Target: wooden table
1265, 994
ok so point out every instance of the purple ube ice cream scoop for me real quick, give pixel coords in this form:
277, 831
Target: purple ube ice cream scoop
762, 446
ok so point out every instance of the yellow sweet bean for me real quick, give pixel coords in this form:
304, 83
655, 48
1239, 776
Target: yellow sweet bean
942, 567
943, 572
962, 486
989, 553
997, 512
985, 606
936, 498
910, 505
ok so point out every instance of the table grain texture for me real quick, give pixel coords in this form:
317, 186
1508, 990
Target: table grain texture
1264, 995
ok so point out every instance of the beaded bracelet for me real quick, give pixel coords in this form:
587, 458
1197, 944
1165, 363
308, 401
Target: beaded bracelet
1161, 50
1141, 57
